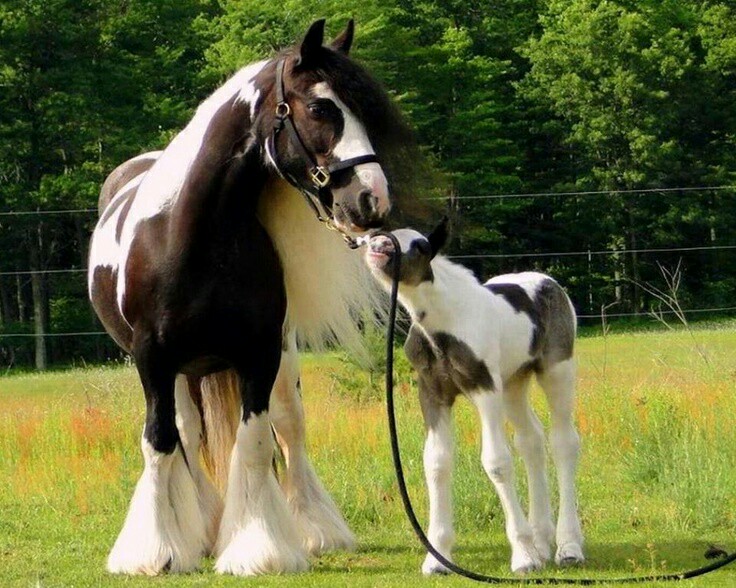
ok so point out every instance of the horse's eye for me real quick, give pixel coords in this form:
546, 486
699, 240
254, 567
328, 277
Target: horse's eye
321, 108
423, 247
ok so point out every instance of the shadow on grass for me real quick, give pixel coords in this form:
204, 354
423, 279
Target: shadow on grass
620, 559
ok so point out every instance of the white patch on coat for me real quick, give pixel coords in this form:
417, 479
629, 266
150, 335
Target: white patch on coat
258, 533
164, 528
354, 142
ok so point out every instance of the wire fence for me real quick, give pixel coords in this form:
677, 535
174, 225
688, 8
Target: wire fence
702, 190
589, 253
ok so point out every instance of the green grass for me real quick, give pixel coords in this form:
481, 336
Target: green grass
656, 482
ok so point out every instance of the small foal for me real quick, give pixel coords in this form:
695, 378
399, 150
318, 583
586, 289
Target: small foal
485, 341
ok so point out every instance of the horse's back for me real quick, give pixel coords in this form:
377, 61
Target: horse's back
123, 174
541, 300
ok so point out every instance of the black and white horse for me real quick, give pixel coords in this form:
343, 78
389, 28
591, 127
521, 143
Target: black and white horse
207, 260
485, 341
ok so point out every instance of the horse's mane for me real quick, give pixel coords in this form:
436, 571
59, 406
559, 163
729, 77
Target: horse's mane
448, 272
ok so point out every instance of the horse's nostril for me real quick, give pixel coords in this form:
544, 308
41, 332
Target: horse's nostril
368, 202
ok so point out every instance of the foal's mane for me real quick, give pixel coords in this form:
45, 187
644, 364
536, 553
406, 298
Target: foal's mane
448, 272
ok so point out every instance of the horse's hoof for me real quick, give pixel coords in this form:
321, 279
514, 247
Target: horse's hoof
568, 555
431, 567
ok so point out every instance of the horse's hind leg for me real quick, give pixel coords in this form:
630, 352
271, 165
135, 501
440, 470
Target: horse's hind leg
558, 382
529, 442
164, 528
258, 533
499, 467
189, 424
321, 524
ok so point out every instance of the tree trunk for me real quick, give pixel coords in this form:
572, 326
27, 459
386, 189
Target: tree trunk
39, 286
8, 302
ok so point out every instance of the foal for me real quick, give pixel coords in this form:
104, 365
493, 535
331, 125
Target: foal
485, 341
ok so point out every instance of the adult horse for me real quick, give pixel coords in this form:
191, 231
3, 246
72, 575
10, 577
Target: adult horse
207, 260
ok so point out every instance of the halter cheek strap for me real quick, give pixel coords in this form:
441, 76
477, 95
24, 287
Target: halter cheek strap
317, 191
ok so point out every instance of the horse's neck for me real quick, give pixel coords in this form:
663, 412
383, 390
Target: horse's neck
197, 174
224, 182
439, 303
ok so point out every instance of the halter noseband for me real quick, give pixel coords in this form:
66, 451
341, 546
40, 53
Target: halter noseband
316, 193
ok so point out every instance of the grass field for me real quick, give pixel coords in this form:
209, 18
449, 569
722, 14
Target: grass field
657, 481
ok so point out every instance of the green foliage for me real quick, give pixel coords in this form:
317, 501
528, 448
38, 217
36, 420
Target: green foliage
529, 96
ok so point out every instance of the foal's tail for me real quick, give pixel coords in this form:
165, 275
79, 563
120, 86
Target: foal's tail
219, 402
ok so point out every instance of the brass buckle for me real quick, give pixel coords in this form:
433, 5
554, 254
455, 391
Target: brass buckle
320, 176
283, 109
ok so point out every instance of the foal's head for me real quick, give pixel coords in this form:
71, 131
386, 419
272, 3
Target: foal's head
417, 253
339, 113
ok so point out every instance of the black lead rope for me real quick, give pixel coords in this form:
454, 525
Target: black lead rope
396, 260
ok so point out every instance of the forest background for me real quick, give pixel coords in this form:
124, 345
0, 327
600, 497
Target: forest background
618, 116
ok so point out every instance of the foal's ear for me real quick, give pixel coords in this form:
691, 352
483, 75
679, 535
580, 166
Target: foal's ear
344, 40
438, 237
312, 42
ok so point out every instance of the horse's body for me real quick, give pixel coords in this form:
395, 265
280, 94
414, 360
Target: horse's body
485, 341
205, 260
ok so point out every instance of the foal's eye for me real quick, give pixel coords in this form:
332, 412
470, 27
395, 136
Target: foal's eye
423, 247
322, 108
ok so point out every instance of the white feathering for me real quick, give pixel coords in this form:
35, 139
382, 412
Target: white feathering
328, 286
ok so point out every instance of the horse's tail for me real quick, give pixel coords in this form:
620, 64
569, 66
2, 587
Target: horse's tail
219, 402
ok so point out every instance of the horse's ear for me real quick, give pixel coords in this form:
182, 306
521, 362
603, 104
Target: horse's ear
438, 237
312, 42
344, 40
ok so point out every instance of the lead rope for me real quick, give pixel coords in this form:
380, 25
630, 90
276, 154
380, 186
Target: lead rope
399, 470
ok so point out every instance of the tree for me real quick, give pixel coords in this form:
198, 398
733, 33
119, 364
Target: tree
86, 84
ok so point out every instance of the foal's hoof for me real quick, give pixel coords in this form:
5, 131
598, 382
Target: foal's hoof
432, 567
569, 555
525, 563
527, 569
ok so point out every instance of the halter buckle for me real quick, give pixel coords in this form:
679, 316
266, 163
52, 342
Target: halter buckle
320, 176
283, 110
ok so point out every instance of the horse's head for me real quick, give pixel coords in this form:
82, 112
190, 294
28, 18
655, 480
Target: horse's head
417, 253
327, 114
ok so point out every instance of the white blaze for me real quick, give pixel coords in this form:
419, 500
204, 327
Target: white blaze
354, 143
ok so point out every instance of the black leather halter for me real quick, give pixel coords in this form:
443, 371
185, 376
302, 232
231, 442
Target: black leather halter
316, 190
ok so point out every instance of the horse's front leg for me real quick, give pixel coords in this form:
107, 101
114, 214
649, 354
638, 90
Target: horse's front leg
499, 465
438, 462
322, 526
258, 533
165, 528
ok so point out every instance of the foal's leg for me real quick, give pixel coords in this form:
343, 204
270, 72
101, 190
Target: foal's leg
498, 464
558, 383
189, 424
323, 528
258, 533
165, 528
529, 442
438, 462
